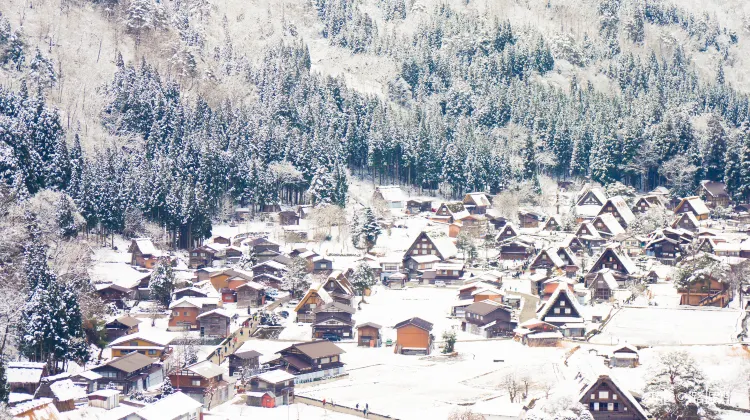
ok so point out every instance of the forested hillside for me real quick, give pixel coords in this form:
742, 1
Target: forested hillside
175, 110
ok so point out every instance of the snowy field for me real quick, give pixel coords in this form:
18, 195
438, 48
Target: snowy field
671, 326
432, 387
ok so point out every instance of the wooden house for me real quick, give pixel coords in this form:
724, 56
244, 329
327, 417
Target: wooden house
143, 253
278, 383
607, 225
449, 272
619, 263
188, 292
272, 267
488, 319
450, 212
476, 203
563, 311
553, 224
715, 194
368, 335
315, 297
115, 294
496, 222
617, 207
392, 195
389, 265
42, 408
645, 203
242, 214
173, 406
214, 323
133, 371
547, 259
86, 380
474, 225
106, 399
251, 295
396, 281
536, 333
707, 290
692, 205
184, 313
506, 232
416, 206
258, 245
312, 360
603, 285
529, 218
686, 221
24, 377
516, 249
666, 250
202, 256
196, 379
339, 287
413, 336
244, 359
424, 244
321, 264
62, 390
334, 318
121, 326
624, 356
147, 344
591, 197
288, 218
606, 399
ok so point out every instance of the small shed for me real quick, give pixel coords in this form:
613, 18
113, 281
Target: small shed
265, 399
288, 218
368, 335
625, 356
396, 281
105, 398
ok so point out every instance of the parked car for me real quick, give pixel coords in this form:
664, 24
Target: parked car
331, 337
388, 342
284, 314
439, 283
272, 292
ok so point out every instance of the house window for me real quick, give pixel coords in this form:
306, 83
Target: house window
325, 360
562, 303
151, 352
334, 359
557, 310
614, 396
567, 311
196, 382
323, 265
611, 407
184, 313
134, 343
595, 406
603, 395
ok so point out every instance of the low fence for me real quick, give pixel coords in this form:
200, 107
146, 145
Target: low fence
321, 374
340, 408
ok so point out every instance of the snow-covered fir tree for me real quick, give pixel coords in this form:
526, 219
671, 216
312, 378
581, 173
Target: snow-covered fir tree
363, 279
66, 221
370, 229
161, 284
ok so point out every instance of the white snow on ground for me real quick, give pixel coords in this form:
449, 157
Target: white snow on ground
417, 387
671, 326
237, 410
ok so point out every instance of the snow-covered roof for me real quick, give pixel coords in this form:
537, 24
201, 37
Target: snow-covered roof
445, 247
588, 210
391, 193
698, 206
156, 337
270, 263
275, 376
24, 372
423, 259
622, 207
106, 392
146, 246
121, 274
217, 311
480, 199
42, 407
596, 192
623, 391
562, 288
172, 407
66, 390
255, 285
89, 374
608, 278
206, 369
196, 302
609, 221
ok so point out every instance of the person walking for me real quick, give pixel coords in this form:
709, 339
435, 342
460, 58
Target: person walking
324, 402
357, 407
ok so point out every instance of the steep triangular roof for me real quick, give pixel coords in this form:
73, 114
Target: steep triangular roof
625, 261
619, 388
622, 208
562, 290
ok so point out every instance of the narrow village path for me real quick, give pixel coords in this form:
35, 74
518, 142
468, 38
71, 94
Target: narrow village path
339, 408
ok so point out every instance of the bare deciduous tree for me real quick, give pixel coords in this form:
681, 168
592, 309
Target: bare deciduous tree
512, 386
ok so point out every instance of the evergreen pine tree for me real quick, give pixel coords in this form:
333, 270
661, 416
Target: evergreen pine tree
716, 149
161, 285
370, 228
166, 387
363, 279
66, 223
4, 386
529, 159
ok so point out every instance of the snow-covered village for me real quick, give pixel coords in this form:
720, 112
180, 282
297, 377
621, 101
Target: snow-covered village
386, 209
